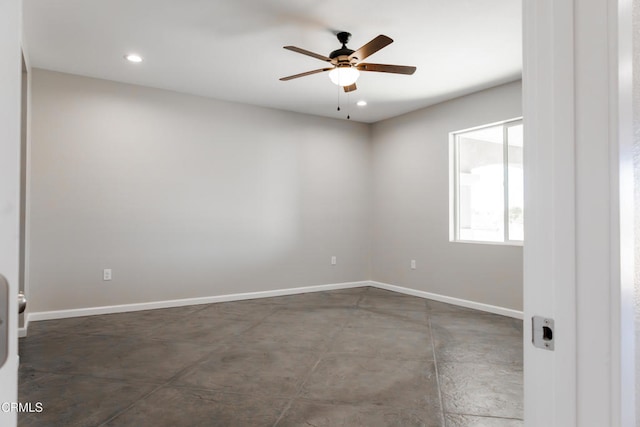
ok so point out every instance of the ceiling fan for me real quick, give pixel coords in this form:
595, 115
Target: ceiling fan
346, 63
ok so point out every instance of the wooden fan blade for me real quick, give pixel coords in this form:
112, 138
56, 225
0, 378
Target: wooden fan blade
350, 88
308, 53
372, 47
383, 68
308, 73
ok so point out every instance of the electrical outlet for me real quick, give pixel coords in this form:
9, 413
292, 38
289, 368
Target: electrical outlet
334, 260
106, 274
413, 264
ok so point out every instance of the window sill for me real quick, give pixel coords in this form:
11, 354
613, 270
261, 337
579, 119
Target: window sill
479, 242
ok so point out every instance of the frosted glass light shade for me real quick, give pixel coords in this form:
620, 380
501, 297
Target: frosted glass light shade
344, 76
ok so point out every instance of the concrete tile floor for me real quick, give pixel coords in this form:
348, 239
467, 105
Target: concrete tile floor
355, 357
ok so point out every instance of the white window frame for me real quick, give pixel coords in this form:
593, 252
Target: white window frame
454, 201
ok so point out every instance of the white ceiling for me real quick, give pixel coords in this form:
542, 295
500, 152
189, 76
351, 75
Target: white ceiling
232, 50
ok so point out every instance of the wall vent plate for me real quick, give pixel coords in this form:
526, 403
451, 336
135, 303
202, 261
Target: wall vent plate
542, 333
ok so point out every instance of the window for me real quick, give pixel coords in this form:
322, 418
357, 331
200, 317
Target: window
487, 203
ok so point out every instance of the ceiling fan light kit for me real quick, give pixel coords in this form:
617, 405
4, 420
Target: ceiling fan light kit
344, 76
346, 63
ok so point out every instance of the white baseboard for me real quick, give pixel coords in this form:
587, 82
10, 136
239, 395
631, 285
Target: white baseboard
450, 300
22, 332
90, 311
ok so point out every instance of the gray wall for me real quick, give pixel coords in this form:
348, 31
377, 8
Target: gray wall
411, 205
186, 197
190, 197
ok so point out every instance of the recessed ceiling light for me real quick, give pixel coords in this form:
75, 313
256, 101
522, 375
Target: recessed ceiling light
362, 103
132, 57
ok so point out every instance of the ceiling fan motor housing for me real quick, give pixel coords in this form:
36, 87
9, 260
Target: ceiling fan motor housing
344, 51
343, 37
341, 52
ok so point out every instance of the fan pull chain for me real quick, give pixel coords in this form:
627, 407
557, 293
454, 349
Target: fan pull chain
339, 97
348, 105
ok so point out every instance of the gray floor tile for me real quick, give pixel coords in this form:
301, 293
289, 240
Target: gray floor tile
27, 373
268, 373
355, 379
58, 326
393, 303
372, 291
482, 389
518, 324
133, 323
453, 420
401, 344
329, 316
234, 363
357, 290
210, 325
172, 407
387, 319
442, 307
55, 352
450, 324
78, 401
131, 358
250, 310
478, 348
308, 413
294, 336
338, 298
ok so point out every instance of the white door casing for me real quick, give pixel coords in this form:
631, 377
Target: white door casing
577, 254
10, 87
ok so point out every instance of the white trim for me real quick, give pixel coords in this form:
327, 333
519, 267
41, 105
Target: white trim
91, 311
450, 300
501, 122
27, 193
576, 110
623, 393
24, 329
480, 242
10, 78
453, 186
454, 183
550, 378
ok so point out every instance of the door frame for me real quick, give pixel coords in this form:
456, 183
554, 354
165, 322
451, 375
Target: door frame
578, 256
10, 112
25, 183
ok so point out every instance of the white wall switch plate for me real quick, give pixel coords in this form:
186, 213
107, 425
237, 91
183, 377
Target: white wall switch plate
413, 264
334, 260
106, 274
